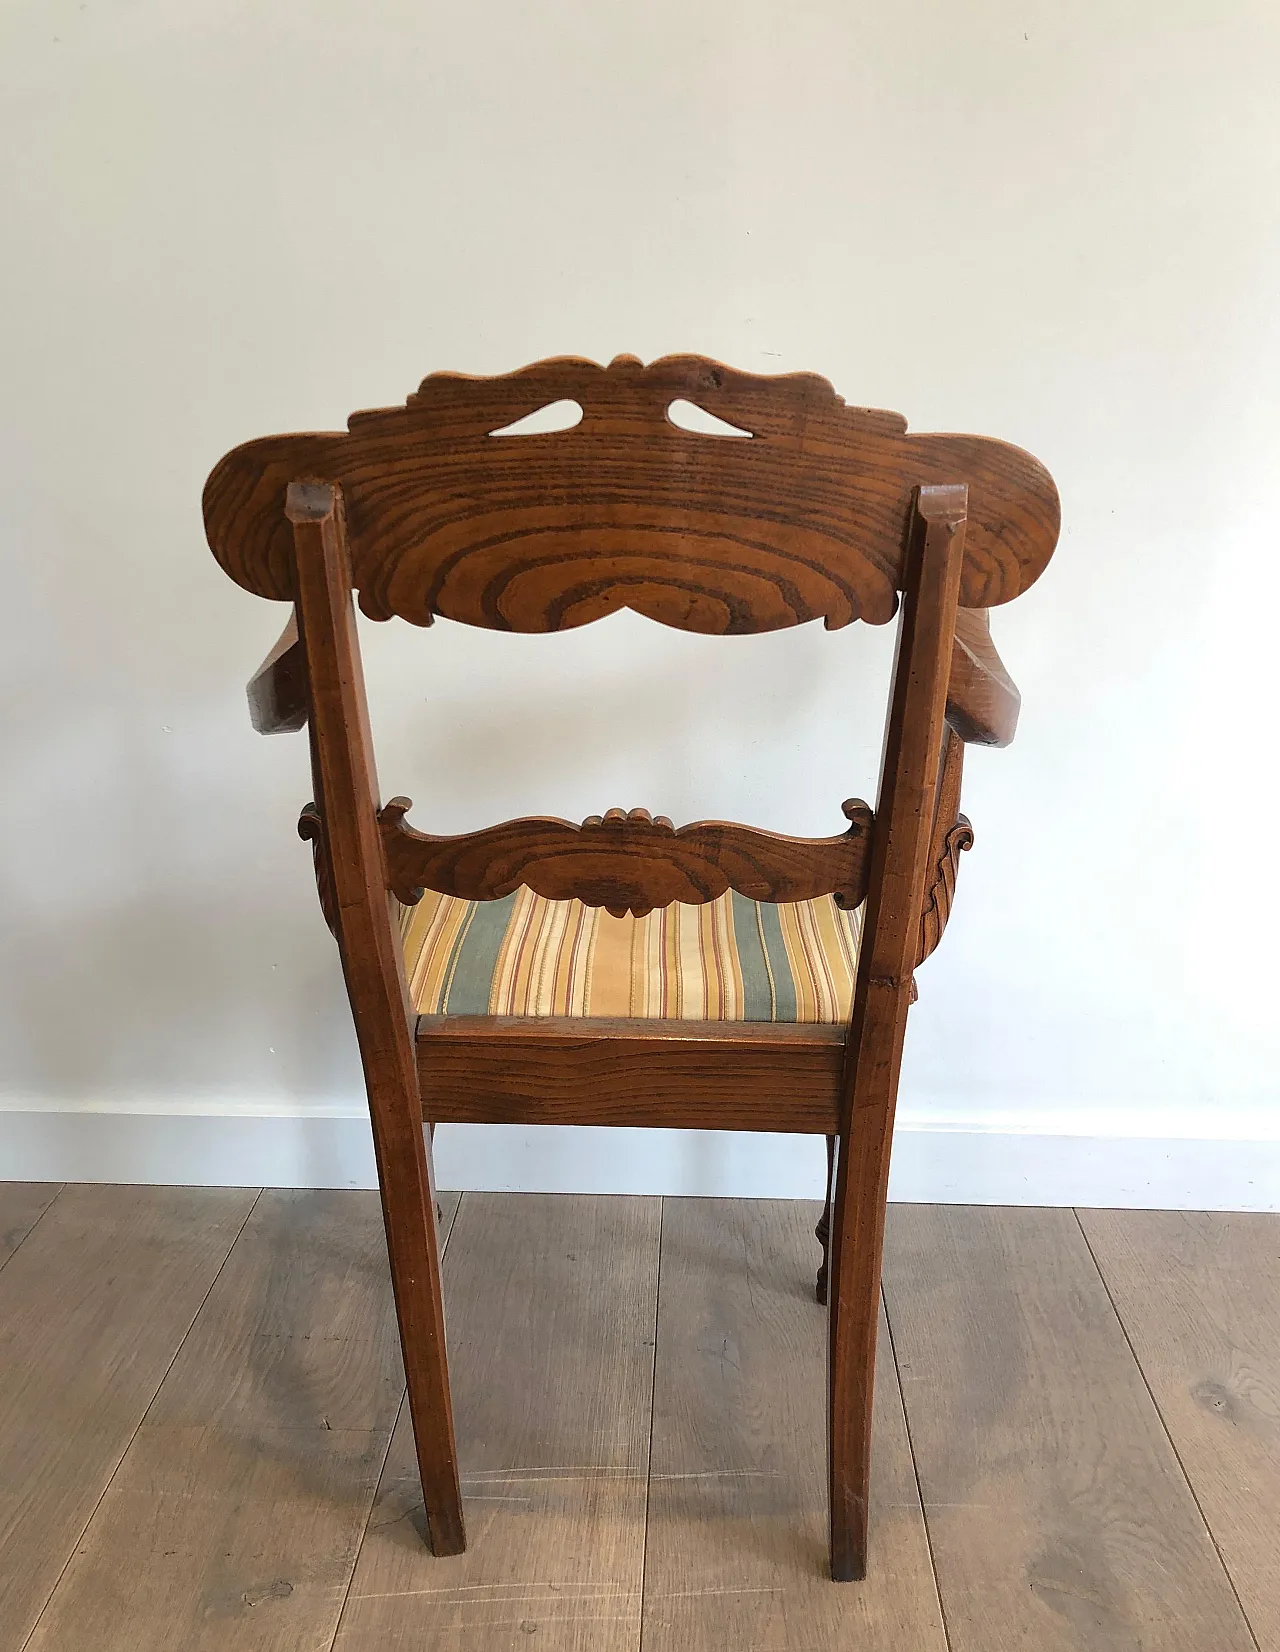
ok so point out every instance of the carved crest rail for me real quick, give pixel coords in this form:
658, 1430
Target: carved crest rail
803, 517
627, 862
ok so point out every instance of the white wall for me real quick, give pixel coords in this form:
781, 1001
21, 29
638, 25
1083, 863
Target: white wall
1053, 224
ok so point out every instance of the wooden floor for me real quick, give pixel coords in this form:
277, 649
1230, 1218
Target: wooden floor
203, 1444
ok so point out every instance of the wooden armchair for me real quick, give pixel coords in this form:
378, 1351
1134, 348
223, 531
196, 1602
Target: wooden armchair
625, 971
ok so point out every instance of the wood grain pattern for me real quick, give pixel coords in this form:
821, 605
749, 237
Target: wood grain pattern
239, 1508
983, 701
1058, 1515
277, 691
910, 773
736, 1549
299, 1332
668, 1074
22, 1204
346, 786
93, 1308
246, 1543
627, 862
551, 1324
806, 520
1199, 1296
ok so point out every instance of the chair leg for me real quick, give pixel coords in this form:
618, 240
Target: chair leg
853, 1321
822, 1233
355, 876
892, 934
409, 1205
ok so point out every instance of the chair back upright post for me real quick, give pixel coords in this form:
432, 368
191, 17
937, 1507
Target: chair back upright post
347, 804
905, 810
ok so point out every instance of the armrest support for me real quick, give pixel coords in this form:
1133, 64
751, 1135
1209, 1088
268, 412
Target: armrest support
277, 691
982, 699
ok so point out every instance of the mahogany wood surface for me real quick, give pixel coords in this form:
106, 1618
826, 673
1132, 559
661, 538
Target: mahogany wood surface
688, 1075
882, 995
627, 862
347, 797
277, 690
805, 519
815, 510
982, 698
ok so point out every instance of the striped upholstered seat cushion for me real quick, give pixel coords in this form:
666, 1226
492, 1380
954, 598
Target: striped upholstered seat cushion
731, 960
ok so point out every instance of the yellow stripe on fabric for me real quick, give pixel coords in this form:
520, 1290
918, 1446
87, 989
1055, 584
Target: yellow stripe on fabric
797, 963
608, 968
831, 928
573, 990
823, 985
850, 928
688, 964
430, 943
723, 970
649, 991
543, 964
555, 927
525, 955
510, 992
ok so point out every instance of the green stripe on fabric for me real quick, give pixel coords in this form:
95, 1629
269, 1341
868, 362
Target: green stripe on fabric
784, 986
450, 964
477, 958
757, 989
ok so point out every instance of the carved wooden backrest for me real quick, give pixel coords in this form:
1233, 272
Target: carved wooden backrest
436, 510
804, 518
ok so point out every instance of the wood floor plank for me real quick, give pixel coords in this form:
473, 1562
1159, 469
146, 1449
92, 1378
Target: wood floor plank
737, 1544
1199, 1295
234, 1519
22, 1204
550, 1306
1058, 1515
93, 1308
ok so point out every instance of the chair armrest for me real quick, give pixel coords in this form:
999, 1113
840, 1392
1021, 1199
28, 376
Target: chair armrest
277, 690
982, 699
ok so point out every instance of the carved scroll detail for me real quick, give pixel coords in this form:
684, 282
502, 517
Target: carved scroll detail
627, 862
311, 830
952, 833
942, 890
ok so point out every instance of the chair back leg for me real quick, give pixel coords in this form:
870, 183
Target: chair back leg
347, 804
904, 819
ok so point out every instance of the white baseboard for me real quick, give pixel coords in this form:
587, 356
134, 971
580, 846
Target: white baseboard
953, 1163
